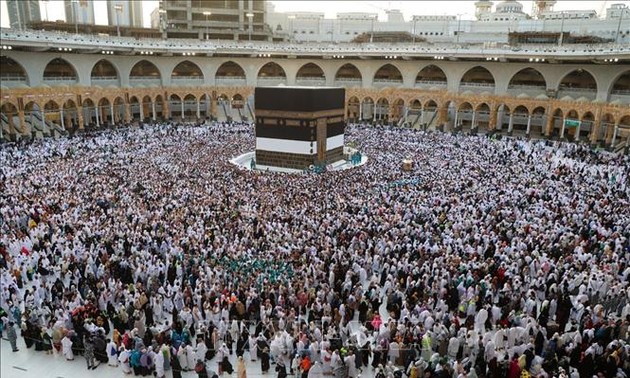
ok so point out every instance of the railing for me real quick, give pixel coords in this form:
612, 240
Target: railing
526, 87
430, 83
230, 80
577, 90
13, 78
186, 78
385, 82
60, 79
623, 92
145, 80
130, 44
314, 81
270, 80
476, 85
105, 80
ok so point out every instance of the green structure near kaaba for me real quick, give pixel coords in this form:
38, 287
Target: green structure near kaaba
299, 127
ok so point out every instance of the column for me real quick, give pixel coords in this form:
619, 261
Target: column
213, 109
549, 127
577, 131
564, 119
198, 112
182, 106
492, 123
141, 106
80, 117
127, 108
360, 111
614, 137
22, 122
529, 124
422, 117
511, 124
43, 113
456, 119
153, 110
97, 110
473, 126
111, 110
166, 107
63, 124
595, 130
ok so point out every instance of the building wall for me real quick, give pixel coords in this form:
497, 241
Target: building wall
130, 15
82, 12
22, 12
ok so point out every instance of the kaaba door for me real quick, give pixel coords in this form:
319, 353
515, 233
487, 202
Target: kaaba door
321, 139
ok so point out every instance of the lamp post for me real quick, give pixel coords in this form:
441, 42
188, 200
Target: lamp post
207, 13
118, 9
250, 17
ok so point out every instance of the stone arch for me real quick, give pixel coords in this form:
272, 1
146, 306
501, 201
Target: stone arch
527, 79
187, 72
135, 108
271, 73
477, 78
60, 71
12, 73
381, 109
89, 112
367, 104
570, 132
104, 73
230, 73
348, 75
104, 111
431, 76
519, 116
310, 74
388, 74
175, 105
119, 109
578, 83
9, 114
70, 116
353, 108
190, 103
145, 73
464, 116
538, 121
397, 109
482, 118
620, 86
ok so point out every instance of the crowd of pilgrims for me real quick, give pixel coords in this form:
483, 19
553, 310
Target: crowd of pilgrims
146, 249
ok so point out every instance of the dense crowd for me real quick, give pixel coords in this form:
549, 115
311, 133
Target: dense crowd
147, 250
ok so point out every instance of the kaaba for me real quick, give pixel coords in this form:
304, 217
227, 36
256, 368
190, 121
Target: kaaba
299, 127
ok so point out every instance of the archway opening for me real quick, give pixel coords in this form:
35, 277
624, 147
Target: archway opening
578, 83
431, 76
271, 74
104, 74
59, 71
310, 74
12, 73
388, 75
230, 73
145, 73
529, 81
187, 72
367, 111
477, 79
348, 75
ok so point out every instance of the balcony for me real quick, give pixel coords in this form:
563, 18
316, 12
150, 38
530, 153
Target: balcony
272, 80
349, 82
310, 81
476, 87
575, 93
105, 81
428, 84
60, 80
231, 81
623, 96
11, 81
187, 80
147, 81
380, 83
530, 90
